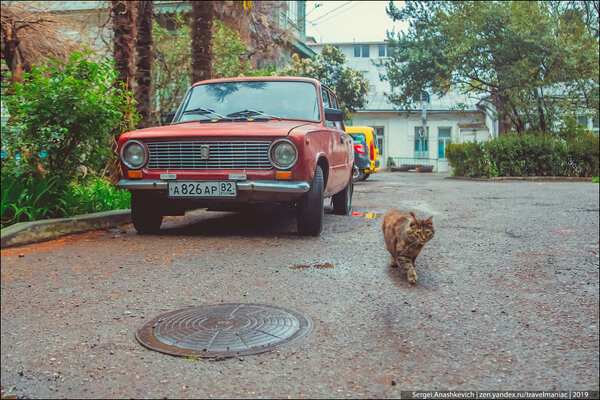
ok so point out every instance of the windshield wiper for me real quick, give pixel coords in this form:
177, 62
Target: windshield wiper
203, 111
248, 112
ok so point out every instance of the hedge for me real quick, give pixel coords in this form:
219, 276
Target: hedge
526, 155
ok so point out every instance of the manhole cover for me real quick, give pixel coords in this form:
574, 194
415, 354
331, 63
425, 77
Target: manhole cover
223, 330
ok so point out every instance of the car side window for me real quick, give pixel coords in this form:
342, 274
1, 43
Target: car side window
326, 103
334, 104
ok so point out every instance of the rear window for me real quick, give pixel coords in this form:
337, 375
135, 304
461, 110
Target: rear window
359, 137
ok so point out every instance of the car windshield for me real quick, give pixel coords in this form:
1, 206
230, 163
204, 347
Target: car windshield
359, 137
251, 99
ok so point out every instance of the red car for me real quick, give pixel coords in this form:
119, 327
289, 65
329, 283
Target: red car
234, 143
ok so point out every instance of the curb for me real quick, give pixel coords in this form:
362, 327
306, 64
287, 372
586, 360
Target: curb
525, 178
39, 231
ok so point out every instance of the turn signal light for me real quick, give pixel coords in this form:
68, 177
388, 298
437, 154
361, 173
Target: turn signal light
284, 175
134, 174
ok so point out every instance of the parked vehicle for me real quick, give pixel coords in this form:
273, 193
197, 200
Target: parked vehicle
366, 134
235, 143
362, 160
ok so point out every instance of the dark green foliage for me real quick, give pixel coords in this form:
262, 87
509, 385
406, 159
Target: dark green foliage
467, 159
95, 195
526, 155
67, 110
27, 198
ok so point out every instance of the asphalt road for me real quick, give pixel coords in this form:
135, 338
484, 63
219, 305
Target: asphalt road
507, 298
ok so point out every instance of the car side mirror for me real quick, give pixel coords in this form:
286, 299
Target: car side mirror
332, 114
170, 117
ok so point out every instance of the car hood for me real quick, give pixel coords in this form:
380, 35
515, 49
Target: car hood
231, 129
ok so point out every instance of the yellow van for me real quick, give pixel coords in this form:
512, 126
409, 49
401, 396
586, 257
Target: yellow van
366, 134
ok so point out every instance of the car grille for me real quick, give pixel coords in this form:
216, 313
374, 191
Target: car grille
222, 155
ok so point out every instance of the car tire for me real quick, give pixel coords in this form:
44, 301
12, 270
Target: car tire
357, 174
146, 214
342, 201
364, 178
311, 210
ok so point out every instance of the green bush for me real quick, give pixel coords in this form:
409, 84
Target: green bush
527, 155
467, 159
63, 115
26, 198
94, 195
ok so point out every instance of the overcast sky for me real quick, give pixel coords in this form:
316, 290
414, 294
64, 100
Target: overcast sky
346, 21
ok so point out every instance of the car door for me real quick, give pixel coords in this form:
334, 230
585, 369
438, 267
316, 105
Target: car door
341, 147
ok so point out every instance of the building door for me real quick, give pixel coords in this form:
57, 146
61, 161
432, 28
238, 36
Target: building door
379, 132
444, 135
421, 142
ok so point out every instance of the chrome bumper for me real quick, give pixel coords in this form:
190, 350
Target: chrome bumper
251, 186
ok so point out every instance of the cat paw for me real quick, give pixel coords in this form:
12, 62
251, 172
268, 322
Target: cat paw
412, 278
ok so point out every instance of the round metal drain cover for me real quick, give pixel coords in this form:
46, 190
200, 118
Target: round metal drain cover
223, 330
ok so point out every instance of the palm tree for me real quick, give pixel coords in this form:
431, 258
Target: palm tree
124, 31
203, 15
143, 77
124, 34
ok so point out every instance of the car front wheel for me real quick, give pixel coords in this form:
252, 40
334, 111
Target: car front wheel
146, 213
311, 207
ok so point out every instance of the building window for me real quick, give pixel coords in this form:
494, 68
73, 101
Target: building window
444, 137
292, 11
582, 119
384, 50
356, 51
421, 142
365, 51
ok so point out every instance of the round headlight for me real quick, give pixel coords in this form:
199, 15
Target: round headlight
283, 154
134, 154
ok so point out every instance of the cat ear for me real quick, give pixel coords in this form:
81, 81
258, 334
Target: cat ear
429, 220
412, 214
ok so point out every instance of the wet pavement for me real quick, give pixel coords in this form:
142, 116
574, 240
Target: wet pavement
507, 298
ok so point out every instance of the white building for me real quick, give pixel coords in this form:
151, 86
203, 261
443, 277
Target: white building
452, 118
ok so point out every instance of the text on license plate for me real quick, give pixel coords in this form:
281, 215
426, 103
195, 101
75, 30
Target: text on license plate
202, 189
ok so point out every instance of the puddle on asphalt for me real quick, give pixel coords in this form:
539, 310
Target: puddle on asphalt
321, 266
318, 266
300, 266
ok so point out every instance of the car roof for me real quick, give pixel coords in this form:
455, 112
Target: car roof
261, 78
359, 129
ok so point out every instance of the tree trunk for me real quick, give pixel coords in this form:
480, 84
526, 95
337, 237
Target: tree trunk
124, 30
499, 103
124, 33
203, 14
143, 76
540, 107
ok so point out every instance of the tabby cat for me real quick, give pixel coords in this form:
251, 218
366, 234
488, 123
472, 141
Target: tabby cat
405, 236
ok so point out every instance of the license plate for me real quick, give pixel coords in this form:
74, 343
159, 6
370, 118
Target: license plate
202, 189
